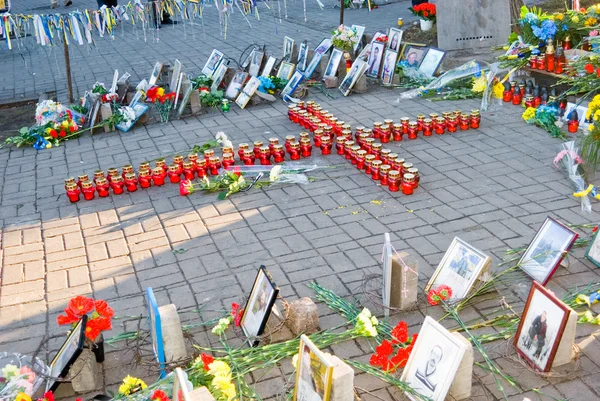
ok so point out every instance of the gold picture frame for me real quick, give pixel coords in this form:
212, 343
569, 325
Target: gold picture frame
314, 373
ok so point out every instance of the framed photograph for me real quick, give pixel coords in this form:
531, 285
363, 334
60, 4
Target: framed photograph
412, 55
323, 47
548, 248
541, 327
155, 74
285, 70
255, 63
386, 290
292, 84
460, 268
181, 386
313, 65
365, 53
175, 77
360, 30
212, 63
433, 362
314, 373
249, 90
389, 66
67, 354
235, 86
218, 77
156, 331
139, 109
188, 88
395, 39
334, 63
94, 116
581, 114
356, 71
178, 90
593, 251
259, 305
375, 57
288, 48
432, 61
302, 56
271, 61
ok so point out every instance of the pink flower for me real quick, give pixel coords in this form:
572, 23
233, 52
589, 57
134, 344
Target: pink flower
27, 371
185, 187
594, 32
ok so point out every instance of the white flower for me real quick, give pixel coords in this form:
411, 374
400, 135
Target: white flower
128, 113
227, 143
221, 137
274, 174
241, 181
295, 361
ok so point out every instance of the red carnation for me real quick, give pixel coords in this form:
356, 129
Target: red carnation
103, 309
589, 68
63, 133
236, 313
400, 332
401, 357
432, 297
207, 360
80, 305
159, 395
385, 349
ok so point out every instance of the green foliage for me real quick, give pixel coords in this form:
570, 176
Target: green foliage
201, 81
211, 99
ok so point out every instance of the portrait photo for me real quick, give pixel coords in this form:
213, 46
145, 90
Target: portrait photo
374, 62
288, 48
541, 327
155, 74
259, 305
389, 66
235, 86
357, 69
292, 84
312, 66
285, 70
323, 46
218, 77
460, 268
212, 63
395, 39
432, 61
314, 373
593, 251
547, 250
302, 56
365, 53
268, 68
412, 55
360, 30
433, 363
67, 354
334, 62
255, 63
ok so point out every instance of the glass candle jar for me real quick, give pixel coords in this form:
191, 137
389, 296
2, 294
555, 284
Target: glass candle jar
405, 167
131, 182
375, 166
294, 151
265, 156
201, 168
412, 130
111, 172
118, 185
291, 108
394, 180
174, 174
193, 157
73, 192
128, 168
475, 119
278, 153
446, 115
242, 147
288, 140
340, 141
102, 186
257, 146
272, 143
362, 138
317, 136
144, 166
398, 163
533, 62
98, 174
81, 179
376, 150
377, 129
248, 157
353, 152
404, 122
369, 159
162, 164
306, 147
214, 164
339, 127
384, 155
452, 124
457, 113
440, 127
360, 159
178, 159
188, 170
428, 127
228, 160
88, 190
529, 101
386, 133
407, 184
145, 179
368, 144
397, 132
433, 116
158, 176
420, 119
415, 172
69, 181
383, 173
464, 122
348, 149
304, 135
347, 134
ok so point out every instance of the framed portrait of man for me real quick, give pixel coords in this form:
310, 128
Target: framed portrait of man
358, 68
412, 55
212, 63
314, 373
302, 57
255, 63
258, 307
292, 84
333, 64
389, 66
374, 61
235, 86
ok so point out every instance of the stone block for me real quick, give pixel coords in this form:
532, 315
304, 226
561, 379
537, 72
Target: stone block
565, 352
106, 113
361, 85
85, 373
404, 286
461, 385
276, 330
303, 316
172, 333
195, 102
342, 388
331, 82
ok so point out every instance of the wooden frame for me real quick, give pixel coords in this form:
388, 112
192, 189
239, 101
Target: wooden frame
407, 47
462, 276
536, 254
309, 356
264, 293
594, 256
536, 327
249, 90
290, 70
71, 349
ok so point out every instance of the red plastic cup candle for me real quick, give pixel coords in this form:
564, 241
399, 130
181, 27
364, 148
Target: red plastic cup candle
128, 168
73, 192
278, 153
398, 163
303, 119
288, 140
440, 125
529, 101
375, 166
158, 176
228, 160
368, 144
369, 159
384, 155
265, 156
415, 172
541, 63
227, 149
464, 122
144, 166
328, 131
294, 151
317, 136
452, 124
102, 187
420, 119
340, 141
174, 174
348, 149
405, 167
301, 105
347, 133
573, 123
189, 171
412, 130
377, 129
257, 146
386, 133
394, 180
118, 185
475, 119
339, 127
131, 182
248, 157
88, 190
178, 159
360, 159
533, 62
516, 97
383, 173
376, 150
208, 153
404, 122
272, 143
392, 159
201, 168
98, 174
162, 164
326, 145
291, 108
309, 106
353, 153
407, 184
397, 132
242, 147
359, 130
333, 122
81, 179
214, 164
428, 126
433, 116
145, 179
193, 157
110, 173
305, 147
69, 181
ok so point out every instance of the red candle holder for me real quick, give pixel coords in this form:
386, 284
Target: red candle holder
377, 130
73, 192
440, 127
242, 147
214, 164
305, 147
178, 159
257, 146
533, 62
118, 185
541, 63
405, 167
420, 120
386, 133
368, 144
375, 167
131, 182
338, 128
348, 149
353, 153
145, 166
248, 157
265, 156
291, 108
397, 164
475, 119
69, 181
228, 160
193, 157
340, 141
278, 154
127, 169
361, 139
360, 159
572, 126
158, 176
317, 136
81, 179
397, 132
201, 168
189, 171
384, 156
507, 96
529, 102
405, 122
412, 130
394, 180
407, 184
517, 98
88, 190
110, 173
428, 127
102, 187
162, 164
174, 174
376, 150
289, 140
452, 124
464, 122
347, 133
272, 143
294, 151
98, 174
415, 172
369, 159
326, 146
145, 179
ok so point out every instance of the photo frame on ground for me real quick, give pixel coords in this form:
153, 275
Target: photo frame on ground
292, 84
547, 249
358, 68
432, 61
386, 290
365, 53
218, 77
323, 47
258, 307
155, 74
302, 57
255, 63
333, 64
286, 70
187, 93
249, 90
139, 109
288, 48
156, 337
235, 86
314, 373
593, 251
360, 31
175, 77
67, 354
433, 362
375, 57
269, 65
212, 63
460, 268
313, 65
389, 66
541, 327
395, 39
412, 54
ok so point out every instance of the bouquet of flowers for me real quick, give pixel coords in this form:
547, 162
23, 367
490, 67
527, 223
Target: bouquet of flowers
18, 380
544, 117
424, 11
400, 347
216, 375
98, 321
162, 101
345, 38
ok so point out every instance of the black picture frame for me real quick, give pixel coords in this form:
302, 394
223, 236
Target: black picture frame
73, 346
263, 278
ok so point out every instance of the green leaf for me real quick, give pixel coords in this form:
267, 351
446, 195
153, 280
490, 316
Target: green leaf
24, 130
222, 195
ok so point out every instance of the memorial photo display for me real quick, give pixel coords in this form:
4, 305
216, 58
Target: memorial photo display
259, 305
67, 354
212, 63
314, 373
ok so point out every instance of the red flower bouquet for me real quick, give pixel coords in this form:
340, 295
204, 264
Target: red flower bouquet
393, 355
99, 321
439, 294
163, 101
424, 11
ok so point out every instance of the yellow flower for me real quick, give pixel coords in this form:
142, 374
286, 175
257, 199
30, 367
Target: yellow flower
575, 19
597, 115
498, 90
479, 84
65, 124
219, 368
131, 384
48, 146
591, 127
23, 397
160, 92
591, 21
559, 16
529, 114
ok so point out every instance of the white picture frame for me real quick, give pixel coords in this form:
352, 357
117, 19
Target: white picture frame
286, 70
175, 76
249, 90
395, 39
235, 86
302, 57
255, 63
388, 68
212, 63
323, 47
334, 63
156, 71
288, 48
386, 290
268, 68
432, 61
375, 57
292, 84
360, 30
218, 77
312, 66
356, 71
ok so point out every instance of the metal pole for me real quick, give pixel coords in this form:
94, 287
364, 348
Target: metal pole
341, 12
68, 67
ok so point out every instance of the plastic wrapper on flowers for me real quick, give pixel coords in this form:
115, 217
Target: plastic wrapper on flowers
568, 158
20, 374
